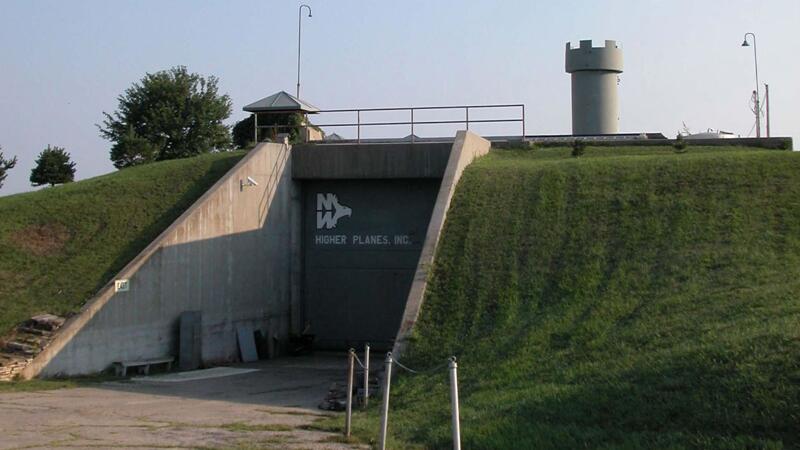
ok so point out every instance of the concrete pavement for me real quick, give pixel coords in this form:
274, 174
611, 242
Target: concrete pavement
270, 407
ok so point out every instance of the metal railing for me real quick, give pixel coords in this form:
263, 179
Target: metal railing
352, 360
412, 122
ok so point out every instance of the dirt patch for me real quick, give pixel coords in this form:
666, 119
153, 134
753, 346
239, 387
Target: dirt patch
41, 240
9, 278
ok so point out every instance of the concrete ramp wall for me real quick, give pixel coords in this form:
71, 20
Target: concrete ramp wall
466, 147
229, 257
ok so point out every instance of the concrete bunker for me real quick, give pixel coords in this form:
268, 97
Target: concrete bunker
335, 236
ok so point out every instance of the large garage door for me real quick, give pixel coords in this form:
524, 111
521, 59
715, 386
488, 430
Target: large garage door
362, 241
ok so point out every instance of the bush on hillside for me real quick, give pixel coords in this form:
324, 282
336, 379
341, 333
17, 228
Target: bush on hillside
243, 133
578, 148
680, 144
53, 166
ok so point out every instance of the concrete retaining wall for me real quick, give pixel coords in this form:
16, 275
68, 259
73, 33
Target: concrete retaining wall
466, 148
772, 143
229, 256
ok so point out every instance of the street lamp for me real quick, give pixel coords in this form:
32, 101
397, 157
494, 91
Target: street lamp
299, 28
758, 102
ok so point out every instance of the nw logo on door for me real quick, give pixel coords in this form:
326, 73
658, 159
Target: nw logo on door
329, 211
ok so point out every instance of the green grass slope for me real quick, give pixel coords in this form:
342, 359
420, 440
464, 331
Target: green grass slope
59, 245
631, 298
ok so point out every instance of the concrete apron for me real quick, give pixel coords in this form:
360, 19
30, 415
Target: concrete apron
269, 406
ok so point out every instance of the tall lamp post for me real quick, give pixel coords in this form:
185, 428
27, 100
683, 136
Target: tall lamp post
299, 29
758, 101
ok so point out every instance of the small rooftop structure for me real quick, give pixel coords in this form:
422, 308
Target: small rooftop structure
277, 104
281, 102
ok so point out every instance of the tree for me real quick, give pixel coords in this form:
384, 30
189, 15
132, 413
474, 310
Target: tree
243, 133
167, 115
53, 166
5, 166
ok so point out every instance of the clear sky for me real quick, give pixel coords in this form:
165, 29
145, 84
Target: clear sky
65, 62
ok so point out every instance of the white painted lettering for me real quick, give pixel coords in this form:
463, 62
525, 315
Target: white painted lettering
330, 239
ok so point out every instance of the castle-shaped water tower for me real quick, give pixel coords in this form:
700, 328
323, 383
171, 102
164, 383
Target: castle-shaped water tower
595, 103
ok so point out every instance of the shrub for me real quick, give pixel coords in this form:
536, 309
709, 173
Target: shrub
53, 166
578, 148
680, 144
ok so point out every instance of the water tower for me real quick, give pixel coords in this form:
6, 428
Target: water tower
595, 103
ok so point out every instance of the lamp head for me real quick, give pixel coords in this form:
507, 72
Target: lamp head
745, 43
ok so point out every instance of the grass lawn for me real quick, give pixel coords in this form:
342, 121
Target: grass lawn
633, 298
59, 245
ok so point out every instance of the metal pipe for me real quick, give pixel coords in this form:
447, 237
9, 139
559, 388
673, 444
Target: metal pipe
454, 403
255, 128
412, 125
366, 374
299, 34
766, 99
350, 369
413, 122
386, 387
417, 122
511, 105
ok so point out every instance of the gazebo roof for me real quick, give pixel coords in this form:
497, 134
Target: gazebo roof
281, 102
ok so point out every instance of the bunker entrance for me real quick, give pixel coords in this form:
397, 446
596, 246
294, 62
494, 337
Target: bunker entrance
362, 241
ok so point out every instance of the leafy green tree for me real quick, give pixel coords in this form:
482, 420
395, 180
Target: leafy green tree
243, 133
167, 115
53, 166
5, 166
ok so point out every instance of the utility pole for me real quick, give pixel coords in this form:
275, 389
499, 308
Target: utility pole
766, 99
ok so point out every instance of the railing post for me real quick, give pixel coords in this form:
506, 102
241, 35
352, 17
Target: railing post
350, 368
358, 126
386, 387
523, 122
366, 374
255, 128
412, 125
467, 121
454, 403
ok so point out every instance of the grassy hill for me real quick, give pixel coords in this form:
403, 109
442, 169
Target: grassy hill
59, 245
631, 298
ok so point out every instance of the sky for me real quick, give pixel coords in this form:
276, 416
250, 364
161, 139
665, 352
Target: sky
63, 63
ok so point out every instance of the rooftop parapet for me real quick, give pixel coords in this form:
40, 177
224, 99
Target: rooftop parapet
585, 57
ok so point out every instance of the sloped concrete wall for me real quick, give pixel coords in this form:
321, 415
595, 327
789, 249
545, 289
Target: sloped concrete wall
230, 256
466, 147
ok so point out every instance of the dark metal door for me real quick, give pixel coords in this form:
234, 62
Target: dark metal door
362, 241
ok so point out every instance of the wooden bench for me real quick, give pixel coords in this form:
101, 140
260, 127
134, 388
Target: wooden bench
121, 367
